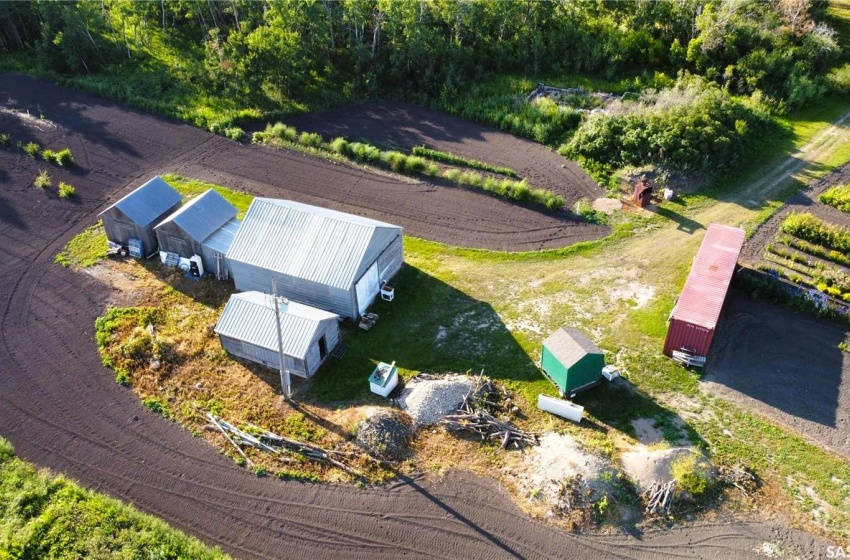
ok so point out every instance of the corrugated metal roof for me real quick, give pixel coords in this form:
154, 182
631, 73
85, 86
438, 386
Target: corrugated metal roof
148, 202
304, 241
705, 289
202, 215
570, 345
249, 317
221, 239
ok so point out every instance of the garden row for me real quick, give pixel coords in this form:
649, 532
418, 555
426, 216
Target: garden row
420, 162
62, 157
812, 253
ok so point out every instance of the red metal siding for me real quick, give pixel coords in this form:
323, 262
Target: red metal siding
683, 335
697, 312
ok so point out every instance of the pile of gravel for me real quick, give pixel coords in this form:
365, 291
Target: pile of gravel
384, 434
428, 399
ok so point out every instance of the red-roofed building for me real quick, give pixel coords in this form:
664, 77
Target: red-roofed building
697, 312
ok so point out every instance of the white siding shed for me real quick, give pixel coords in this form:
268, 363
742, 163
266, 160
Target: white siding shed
247, 329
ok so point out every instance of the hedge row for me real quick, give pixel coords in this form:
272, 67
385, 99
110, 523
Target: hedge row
452, 159
812, 229
838, 197
411, 164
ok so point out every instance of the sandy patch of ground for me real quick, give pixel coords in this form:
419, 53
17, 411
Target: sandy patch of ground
645, 466
557, 459
607, 205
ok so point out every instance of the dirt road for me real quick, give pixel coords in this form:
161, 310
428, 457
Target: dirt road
62, 409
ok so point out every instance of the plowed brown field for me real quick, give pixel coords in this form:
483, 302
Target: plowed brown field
61, 408
405, 126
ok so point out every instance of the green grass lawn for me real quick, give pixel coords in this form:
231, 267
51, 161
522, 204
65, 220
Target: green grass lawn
48, 517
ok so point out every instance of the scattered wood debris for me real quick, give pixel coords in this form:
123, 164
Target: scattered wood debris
475, 415
659, 497
273, 443
740, 477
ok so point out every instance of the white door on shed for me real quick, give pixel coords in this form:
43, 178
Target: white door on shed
367, 288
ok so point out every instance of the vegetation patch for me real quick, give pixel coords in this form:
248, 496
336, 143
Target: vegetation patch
452, 159
814, 230
42, 180
85, 249
838, 197
66, 190
31, 148
47, 516
282, 135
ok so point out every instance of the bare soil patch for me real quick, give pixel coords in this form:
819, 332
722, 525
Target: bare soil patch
787, 366
404, 126
63, 410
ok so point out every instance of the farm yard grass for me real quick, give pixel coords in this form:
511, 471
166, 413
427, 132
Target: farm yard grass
182, 479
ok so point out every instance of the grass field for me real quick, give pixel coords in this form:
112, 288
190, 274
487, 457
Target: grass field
48, 517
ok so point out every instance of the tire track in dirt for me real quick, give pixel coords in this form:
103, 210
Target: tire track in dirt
62, 409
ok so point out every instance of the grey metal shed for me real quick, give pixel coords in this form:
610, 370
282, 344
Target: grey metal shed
323, 258
184, 231
135, 215
247, 329
214, 249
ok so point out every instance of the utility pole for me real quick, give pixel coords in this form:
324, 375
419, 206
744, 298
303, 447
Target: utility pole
285, 384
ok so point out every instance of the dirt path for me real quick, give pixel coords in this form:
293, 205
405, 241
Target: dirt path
61, 408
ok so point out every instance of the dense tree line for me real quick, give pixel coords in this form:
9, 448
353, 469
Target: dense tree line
293, 48
721, 66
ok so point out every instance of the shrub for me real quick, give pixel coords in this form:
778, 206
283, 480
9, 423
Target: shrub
431, 169
281, 131
691, 474
48, 155
42, 180
812, 229
471, 179
838, 197
585, 209
5, 139
310, 139
122, 377
414, 164
365, 152
155, 405
66, 190
260, 471
396, 160
64, 157
32, 149
234, 133
452, 175
838, 79
6, 451
340, 146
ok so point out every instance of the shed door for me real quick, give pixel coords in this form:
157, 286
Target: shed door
367, 288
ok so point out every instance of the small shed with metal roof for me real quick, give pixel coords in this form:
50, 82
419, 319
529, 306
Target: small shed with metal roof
247, 328
697, 311
135, 215
571, 360
185, 231
320, 257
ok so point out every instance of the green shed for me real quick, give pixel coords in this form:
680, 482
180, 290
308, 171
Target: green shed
571, 360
